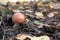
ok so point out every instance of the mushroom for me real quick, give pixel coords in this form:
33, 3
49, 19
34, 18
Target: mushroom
18, 18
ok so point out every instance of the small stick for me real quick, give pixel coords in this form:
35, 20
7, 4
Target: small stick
34, 28
54, 27
4, 35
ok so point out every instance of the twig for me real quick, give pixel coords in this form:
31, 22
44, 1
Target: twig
4, 35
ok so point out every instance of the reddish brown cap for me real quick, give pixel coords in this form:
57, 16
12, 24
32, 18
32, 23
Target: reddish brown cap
18, 18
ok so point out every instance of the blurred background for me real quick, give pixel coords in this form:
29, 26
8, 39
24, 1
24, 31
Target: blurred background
42, 18
26, 0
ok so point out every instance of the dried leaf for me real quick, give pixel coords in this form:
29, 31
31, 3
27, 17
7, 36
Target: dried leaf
27, 20
44, 38
55, 12
37, 22
39, 14
50, 15
22, 36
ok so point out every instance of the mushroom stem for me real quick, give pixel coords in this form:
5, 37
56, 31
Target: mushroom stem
15, 25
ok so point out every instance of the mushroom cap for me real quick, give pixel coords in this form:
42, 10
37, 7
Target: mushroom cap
18, 18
